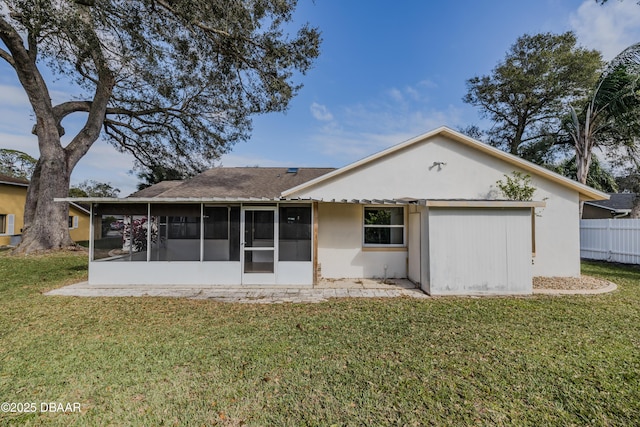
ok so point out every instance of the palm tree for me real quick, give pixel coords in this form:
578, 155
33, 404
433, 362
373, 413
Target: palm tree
611, 117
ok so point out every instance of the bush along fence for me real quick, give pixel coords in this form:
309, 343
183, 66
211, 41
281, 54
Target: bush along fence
616, 240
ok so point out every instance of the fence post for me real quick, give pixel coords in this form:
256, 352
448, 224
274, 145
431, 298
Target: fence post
609, 240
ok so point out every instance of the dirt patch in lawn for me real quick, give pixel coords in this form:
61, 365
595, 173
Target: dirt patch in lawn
570, 283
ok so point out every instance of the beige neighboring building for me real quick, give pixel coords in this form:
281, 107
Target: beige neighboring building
427, 209
13, 195
619, 206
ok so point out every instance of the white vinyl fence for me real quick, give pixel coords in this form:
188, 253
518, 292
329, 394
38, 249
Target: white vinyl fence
615, 240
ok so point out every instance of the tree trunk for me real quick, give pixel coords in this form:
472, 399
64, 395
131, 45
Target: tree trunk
46, 223
582, 143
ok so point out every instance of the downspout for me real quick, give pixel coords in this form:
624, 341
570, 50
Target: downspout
620, 215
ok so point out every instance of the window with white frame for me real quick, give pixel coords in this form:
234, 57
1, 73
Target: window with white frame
3, 224
384, 226
73, 222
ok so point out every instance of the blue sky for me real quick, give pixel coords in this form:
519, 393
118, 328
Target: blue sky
387, 72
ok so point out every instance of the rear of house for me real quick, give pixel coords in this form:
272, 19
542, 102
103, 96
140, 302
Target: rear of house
427, 209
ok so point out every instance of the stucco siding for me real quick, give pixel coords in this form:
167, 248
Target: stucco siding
12, 200
557, 231
81, 233
340, 252
464, 173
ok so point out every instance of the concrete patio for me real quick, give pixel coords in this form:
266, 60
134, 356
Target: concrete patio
341, 288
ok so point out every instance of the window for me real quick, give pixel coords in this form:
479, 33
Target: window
184, 227
384, 226
73, 222
3, 224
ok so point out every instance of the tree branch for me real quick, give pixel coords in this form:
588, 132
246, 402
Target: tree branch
30, 79
90, 132
7, 57
62, 110
168, 7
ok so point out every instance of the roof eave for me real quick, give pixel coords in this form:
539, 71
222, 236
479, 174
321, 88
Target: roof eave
17, 184
585, 192
131, 200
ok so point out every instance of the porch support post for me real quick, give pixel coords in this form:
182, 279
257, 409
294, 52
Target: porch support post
91, 232
314, 238
201, 232
149, 232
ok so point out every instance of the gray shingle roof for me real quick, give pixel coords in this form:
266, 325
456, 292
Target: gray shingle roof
235, 182
11, 180
156, 189
617, 201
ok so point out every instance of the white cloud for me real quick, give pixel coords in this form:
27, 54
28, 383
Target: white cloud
361, 129
609, 28
396, 95
320, 112
21, 142
14, 96
104, 163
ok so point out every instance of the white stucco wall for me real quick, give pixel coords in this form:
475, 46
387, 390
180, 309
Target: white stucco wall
340, 252
467, 174
223, 273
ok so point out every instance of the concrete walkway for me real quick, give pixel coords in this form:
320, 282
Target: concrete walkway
360, 288
341, 288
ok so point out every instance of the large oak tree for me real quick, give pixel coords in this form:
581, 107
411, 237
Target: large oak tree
174, 82
540, 76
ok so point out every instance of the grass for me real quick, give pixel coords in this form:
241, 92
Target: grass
443, 361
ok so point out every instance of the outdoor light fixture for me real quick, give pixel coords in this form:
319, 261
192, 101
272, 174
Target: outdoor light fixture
438, 164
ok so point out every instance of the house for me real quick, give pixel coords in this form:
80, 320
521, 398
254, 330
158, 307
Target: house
13, 195
427, 209
619, 205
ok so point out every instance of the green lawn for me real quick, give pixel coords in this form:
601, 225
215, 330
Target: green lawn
444, 361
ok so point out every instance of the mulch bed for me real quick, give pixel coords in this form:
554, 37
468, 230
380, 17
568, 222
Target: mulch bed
571, 283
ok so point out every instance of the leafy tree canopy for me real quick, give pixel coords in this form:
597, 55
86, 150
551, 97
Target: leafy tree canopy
598, 177
16, 163
526, 92
158, 173
180, 79
610, 117
630, 183
174, 82
92, 188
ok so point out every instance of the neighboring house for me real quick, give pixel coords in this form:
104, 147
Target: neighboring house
619, 205
427, 209
13, 195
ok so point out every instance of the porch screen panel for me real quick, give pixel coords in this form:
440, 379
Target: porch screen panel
295, 233
120, 232
222, 233
178, 232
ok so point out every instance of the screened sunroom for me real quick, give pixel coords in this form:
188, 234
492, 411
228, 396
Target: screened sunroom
205, 243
